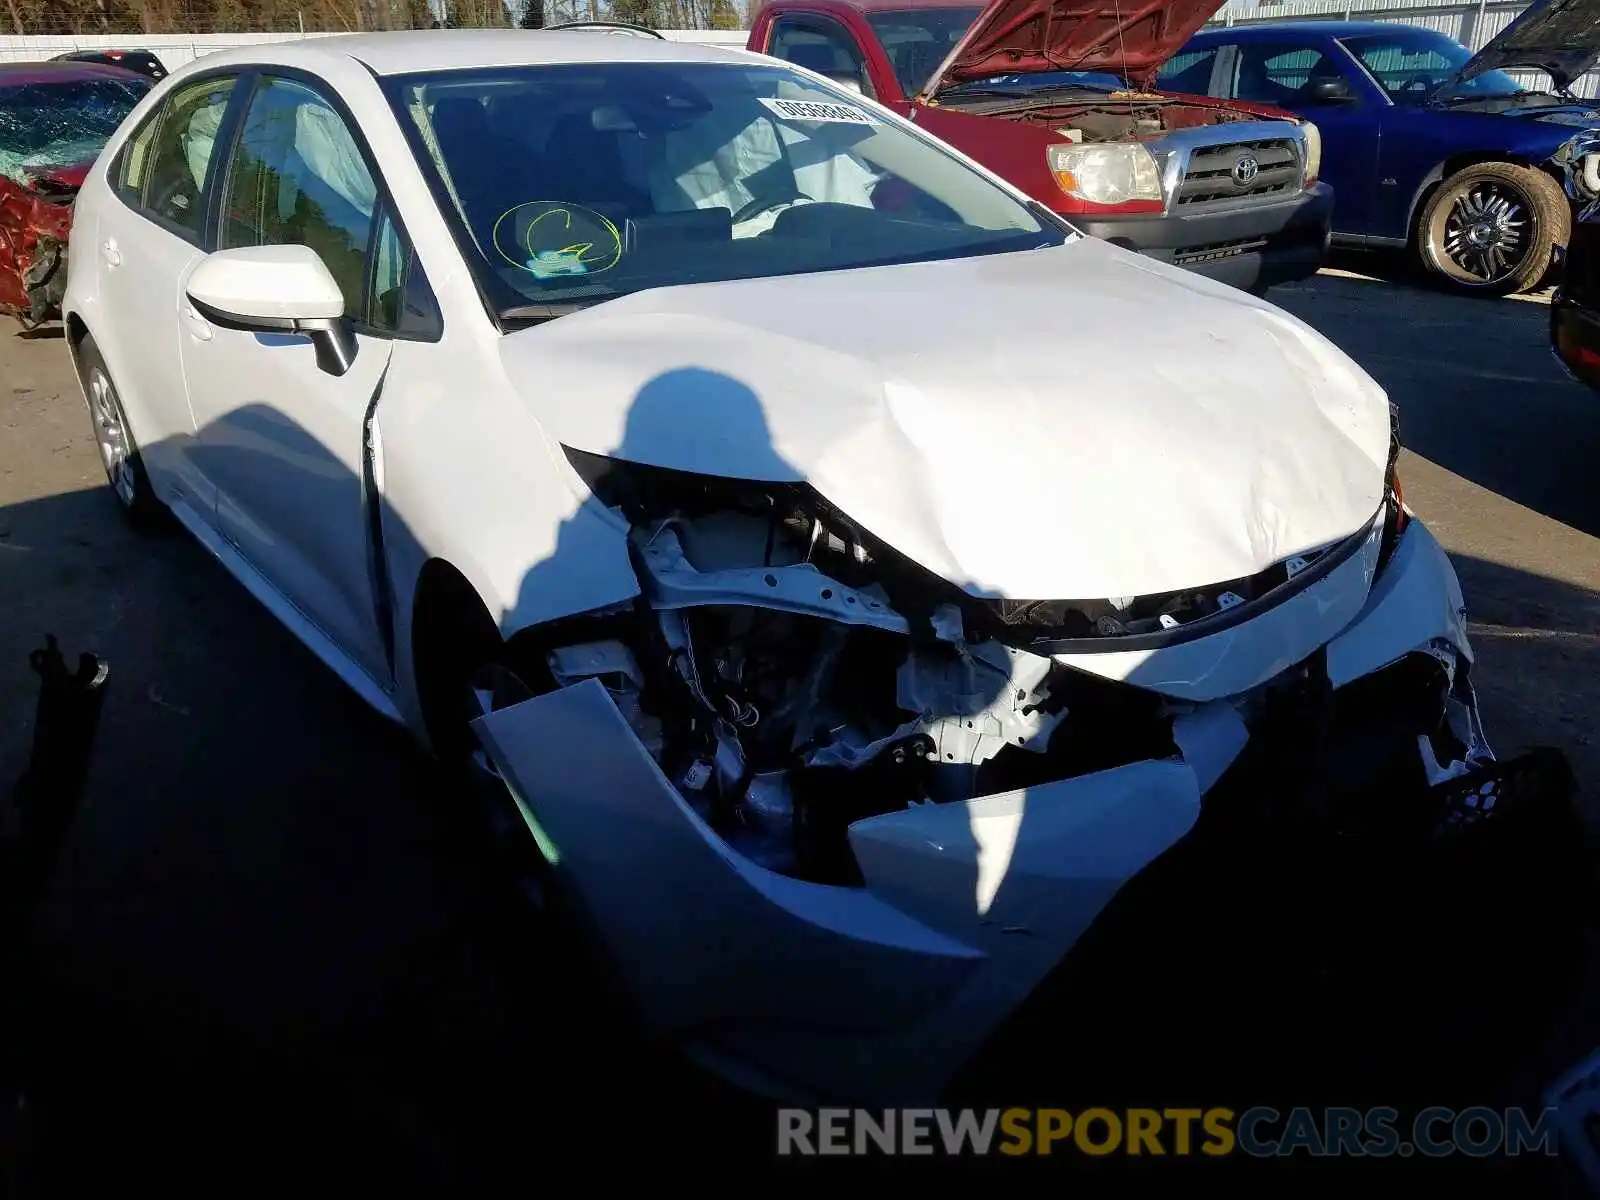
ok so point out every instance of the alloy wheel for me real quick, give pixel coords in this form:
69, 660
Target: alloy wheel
1488, 232
111, 435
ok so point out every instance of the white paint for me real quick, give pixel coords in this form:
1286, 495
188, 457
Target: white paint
271, 282
1093, 423
1417, 600
1252, 652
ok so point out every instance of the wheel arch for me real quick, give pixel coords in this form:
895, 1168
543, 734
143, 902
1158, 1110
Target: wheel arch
447, 612
1460, 161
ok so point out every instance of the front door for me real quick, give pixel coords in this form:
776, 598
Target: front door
1285, 75
283, 440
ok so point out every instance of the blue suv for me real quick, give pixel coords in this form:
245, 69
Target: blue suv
1427, 145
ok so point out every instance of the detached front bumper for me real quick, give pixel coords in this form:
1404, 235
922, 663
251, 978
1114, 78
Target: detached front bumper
1249, 248
879, 993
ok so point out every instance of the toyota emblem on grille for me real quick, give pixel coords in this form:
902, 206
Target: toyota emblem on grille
1244, 169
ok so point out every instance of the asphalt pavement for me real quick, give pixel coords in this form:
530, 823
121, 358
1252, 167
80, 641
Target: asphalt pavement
264, 885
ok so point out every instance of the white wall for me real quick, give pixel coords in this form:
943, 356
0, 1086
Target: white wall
176, 49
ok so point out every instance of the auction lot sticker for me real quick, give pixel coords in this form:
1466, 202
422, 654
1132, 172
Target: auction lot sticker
813, 110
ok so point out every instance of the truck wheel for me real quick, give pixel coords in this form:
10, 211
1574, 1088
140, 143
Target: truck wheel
1490, 229
119, 453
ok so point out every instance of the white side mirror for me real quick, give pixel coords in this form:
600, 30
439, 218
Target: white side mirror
276, 289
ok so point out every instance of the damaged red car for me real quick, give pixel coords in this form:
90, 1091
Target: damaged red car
54, 119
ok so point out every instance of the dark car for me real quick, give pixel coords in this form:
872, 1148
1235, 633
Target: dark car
1575, 310
142, 61
1428, 145
55, 118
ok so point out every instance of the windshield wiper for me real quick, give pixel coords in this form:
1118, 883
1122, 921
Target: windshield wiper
538, 314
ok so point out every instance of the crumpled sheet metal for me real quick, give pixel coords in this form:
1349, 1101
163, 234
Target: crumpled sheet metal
26, 218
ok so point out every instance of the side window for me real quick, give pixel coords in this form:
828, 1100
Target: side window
1279, 74
822, 46
298, 177
391, 264
1189, 72
163, 168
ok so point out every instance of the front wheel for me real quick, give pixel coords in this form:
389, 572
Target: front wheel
1491, 229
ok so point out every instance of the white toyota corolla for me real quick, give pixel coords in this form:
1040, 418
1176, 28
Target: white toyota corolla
854, 575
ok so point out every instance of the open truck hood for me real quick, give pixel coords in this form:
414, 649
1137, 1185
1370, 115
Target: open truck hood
1560, 37
1069, 423
1018, 36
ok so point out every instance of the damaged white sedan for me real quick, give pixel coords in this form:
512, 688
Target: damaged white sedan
854, 575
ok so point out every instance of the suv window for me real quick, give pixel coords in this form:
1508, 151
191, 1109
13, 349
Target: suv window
299, 177
163, 170
1276, 74
1189, 72
823, 46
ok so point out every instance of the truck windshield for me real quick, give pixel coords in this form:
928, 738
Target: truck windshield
61, 124
917, 40
570, 184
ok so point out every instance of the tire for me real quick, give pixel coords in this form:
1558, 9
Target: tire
119, 451
1490, 229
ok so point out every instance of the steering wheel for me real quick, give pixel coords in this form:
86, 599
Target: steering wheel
1420, 82
762, 203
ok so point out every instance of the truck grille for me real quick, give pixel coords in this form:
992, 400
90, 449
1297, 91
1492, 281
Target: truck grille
1209, 177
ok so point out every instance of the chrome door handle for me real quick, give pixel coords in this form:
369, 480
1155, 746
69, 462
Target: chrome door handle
110, 252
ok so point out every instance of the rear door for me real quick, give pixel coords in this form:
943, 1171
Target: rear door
144, 247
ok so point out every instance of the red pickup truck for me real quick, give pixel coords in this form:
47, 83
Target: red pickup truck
1059, 98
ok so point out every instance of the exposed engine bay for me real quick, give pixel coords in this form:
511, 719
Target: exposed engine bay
1104, 117
791, 676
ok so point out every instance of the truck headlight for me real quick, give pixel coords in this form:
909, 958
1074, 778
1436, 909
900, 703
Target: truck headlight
1109, 173
1590, 174
1313, 137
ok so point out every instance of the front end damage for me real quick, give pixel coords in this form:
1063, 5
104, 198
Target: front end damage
35, 218
835, 818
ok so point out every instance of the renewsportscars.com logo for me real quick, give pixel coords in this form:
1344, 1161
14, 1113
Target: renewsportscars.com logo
1151, 1132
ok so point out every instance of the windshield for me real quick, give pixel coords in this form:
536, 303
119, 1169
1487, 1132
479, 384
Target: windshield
45, 125
917, 40
1039, 81
571, 184
1412, 64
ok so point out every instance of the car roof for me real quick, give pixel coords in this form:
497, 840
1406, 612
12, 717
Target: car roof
1320, 28
62, 71
402, 53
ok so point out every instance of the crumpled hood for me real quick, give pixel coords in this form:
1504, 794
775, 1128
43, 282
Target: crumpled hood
1132, 39
1560, 37
1069, 423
